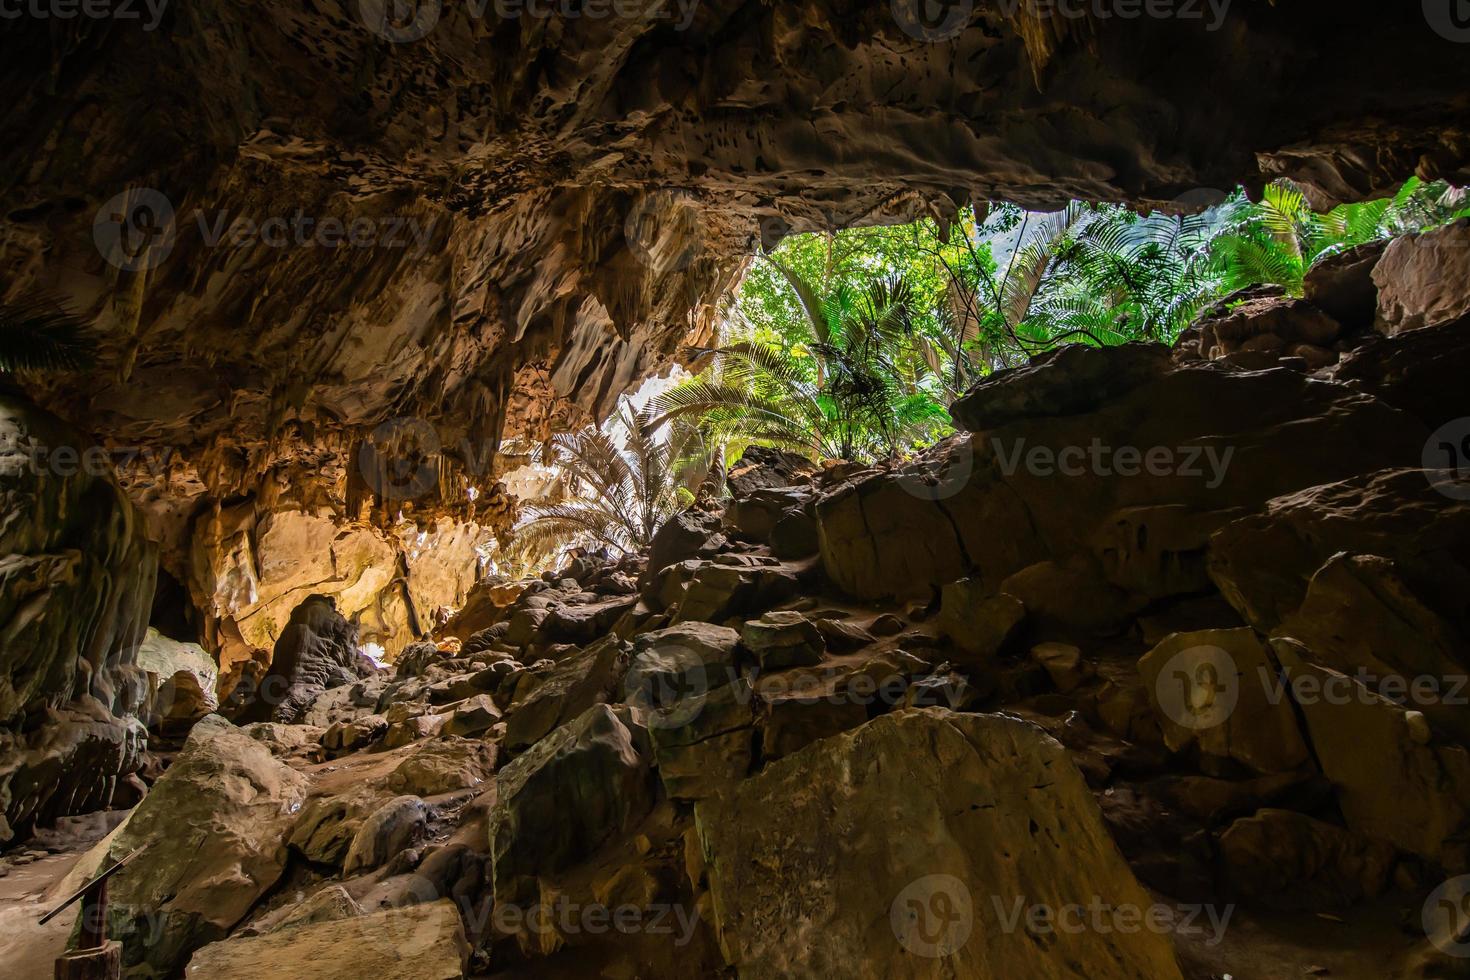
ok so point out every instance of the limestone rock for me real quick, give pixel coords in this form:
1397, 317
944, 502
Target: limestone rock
1220, 690
1418, 372
327, 905
1424, 280
1360, 617
215, 825
688, 534
566, 692
763, 468
1067, 381
1062, 662
673, 664
1268, 325
567, 795
977, 622
472, 716
415, 659
394, 826
1263, 564
833, 863
1390, 784
1288, 858
783, 639
327, 824
1158, 551
316, 651
76, 584
415, 942
445, 765
163, 657
284, 741
789, 723
704, 744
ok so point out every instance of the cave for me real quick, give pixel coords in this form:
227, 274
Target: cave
1148, 661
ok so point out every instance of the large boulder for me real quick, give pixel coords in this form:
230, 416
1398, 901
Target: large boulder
1067, 381
1219, 690
763, 468
836, 862
688, 534
587, 677
572, 792
317, 651
1394, 780
684, 661
1424, 280
977, 622
1421, 372
1264, 564
215, 826
413, 942
1208, 439
77, 575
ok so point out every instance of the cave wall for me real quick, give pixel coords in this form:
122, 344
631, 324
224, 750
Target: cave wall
76, 584
515, 219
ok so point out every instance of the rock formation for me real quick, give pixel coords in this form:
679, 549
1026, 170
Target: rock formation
1161, 635
1175, 695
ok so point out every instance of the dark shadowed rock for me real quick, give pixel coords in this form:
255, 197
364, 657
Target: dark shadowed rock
826, 863
569, 794
317, 651
1342, 286
1062, 382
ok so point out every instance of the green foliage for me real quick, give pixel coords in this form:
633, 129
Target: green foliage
837, 372
849, 345
38, 334
616, 486
1278, 240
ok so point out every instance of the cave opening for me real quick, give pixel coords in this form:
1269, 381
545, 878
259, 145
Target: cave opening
728, 489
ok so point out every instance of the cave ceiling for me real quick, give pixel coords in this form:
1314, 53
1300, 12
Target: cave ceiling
296, 223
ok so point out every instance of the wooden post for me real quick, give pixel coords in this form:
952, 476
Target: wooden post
96, 957
101, 963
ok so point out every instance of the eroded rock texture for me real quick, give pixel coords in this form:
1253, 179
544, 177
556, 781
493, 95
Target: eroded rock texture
76, 583
532, 213
511, 221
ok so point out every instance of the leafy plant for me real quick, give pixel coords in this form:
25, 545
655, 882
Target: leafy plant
851, 385
39, 334
617, 485
1278, 240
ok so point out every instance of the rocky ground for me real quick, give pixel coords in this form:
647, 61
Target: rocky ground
1158, 670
